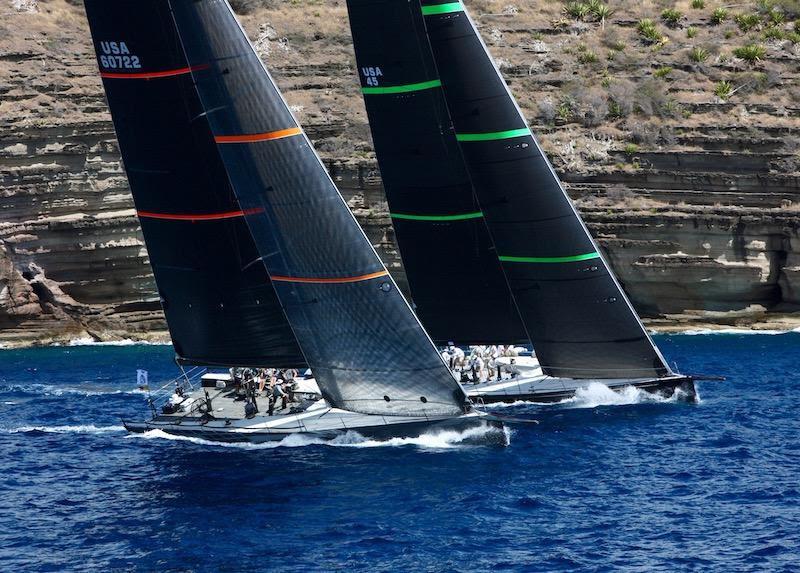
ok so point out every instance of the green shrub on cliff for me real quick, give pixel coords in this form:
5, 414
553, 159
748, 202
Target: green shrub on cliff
747, 22
662, 72
672, 17
577, 10
649, 31
751, 53
719, 15
698, 54
698, 4
723, 89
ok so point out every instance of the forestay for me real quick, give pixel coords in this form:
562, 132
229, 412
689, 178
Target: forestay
218, 300
456, 280
366, 348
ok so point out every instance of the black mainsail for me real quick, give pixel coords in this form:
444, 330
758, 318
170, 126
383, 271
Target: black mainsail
368, 351
456, 280
219, 302
578, 317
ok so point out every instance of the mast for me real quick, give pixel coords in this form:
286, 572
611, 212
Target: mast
581, 323
368, 351
220, 305
456, 280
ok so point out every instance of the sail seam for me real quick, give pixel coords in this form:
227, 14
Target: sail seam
491, 136
570, 259
199, 216
405, 88
460, 217
338, 280
256, 137
153, 75
442, 8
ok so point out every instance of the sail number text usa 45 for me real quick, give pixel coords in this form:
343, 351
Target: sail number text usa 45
116, 55
371, 75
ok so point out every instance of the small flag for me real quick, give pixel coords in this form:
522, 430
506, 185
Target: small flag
141, 379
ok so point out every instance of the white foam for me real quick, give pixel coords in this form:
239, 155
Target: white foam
597, 394
82, 429
747, 331
49, 390
435, 440
88, 341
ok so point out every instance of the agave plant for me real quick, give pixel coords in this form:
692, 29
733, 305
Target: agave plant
577, 10
648, 30
751, 53
723, 89
698, 54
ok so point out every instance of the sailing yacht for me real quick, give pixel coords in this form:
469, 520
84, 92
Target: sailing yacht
257, 259
463, 172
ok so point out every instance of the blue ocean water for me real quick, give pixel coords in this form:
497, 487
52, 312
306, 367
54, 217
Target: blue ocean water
603, 483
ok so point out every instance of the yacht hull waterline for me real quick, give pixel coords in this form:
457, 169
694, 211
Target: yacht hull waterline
546, 390
325, 424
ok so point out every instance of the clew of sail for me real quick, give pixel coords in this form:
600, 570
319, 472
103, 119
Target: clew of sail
455, 278
368, 351
578, 317
221, 308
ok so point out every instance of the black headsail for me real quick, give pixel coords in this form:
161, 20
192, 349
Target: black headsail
367, 349
219, 302
580, 321
576, 314
456, 281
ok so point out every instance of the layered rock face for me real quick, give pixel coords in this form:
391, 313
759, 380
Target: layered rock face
695, 197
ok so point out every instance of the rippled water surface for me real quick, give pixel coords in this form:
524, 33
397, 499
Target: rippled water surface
604, 482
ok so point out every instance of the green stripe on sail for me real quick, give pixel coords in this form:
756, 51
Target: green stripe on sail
442, 8
493, 135
572, 259
402, 89
462, 217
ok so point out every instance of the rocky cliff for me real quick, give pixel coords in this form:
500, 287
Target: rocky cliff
680, 149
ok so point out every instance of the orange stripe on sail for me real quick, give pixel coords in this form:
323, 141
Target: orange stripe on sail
357, 279
200, 216
152, 75
255, 137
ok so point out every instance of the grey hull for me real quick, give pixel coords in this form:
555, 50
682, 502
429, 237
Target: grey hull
373, 427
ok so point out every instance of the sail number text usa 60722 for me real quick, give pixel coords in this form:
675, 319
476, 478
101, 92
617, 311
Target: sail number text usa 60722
116, 55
